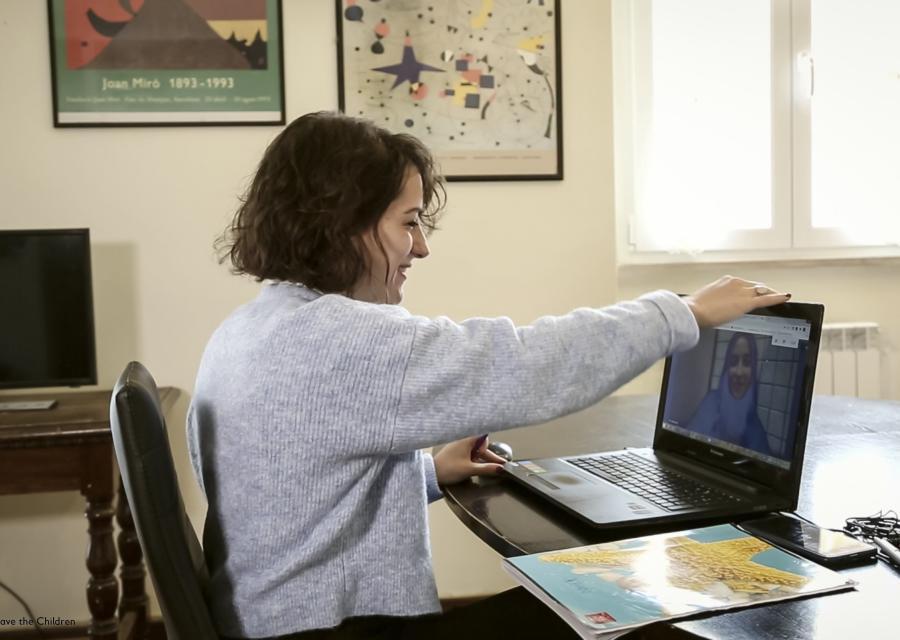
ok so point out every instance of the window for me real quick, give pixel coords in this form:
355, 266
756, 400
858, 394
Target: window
757, 128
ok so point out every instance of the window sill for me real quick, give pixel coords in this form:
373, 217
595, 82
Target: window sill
812, 256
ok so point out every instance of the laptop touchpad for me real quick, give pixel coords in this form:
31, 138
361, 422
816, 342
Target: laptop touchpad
566, 479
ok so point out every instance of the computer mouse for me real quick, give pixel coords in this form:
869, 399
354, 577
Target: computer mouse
501, 449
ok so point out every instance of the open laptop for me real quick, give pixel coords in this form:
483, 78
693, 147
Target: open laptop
730, 432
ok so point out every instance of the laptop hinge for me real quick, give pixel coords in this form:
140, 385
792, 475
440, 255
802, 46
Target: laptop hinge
694, 467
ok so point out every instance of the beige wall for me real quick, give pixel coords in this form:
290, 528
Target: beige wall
155, 198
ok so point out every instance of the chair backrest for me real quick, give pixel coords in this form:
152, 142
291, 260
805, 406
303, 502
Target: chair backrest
171, 549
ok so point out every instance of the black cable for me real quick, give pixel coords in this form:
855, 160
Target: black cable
881, 525
884, 525
31, 615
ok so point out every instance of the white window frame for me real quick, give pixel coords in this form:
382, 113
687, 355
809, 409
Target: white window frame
792, 236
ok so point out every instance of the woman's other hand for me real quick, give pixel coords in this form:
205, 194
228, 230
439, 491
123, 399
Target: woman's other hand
728, 298
459, 460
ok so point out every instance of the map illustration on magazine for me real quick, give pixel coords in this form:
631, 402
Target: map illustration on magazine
612, 586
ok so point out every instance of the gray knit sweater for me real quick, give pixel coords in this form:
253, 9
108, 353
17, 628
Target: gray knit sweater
308, 418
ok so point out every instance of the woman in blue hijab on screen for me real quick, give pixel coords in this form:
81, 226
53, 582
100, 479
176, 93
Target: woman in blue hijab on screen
729, 412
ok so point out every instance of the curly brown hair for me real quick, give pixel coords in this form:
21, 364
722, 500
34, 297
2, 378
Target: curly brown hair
321, 183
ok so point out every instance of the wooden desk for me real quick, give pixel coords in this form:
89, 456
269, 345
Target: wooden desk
69, 447
850, 470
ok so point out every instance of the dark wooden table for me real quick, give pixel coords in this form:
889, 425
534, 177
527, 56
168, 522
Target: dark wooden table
69, 447
851, 469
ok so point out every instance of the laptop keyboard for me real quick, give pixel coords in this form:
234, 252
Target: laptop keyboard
663, 487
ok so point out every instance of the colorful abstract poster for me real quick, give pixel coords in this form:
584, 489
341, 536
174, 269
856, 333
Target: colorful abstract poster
166, 62
610, 587
477, 80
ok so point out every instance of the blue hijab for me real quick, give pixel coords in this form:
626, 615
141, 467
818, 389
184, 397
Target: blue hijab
721, 415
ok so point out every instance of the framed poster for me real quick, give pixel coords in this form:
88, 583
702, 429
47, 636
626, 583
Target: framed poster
478, 81
166, 62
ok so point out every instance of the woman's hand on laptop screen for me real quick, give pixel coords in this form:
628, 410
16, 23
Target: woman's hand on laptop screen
728, 298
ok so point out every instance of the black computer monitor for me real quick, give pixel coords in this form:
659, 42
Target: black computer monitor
46, 309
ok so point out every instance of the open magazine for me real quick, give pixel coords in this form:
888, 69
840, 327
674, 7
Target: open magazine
603, 590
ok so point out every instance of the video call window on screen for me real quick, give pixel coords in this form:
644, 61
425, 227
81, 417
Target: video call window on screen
739, 388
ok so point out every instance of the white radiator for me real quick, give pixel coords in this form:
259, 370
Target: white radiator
849, 361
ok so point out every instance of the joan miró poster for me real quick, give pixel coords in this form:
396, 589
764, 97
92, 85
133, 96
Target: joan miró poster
477, 80
166, 62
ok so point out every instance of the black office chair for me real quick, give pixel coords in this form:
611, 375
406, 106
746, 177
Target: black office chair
171, 549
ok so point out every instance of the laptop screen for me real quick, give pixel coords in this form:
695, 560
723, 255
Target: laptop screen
741, 388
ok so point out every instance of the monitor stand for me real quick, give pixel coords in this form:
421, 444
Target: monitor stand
32, 405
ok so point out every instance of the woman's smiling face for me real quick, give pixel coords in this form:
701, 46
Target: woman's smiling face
393, 244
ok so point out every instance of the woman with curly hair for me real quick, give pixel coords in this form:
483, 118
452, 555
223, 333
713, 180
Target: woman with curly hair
314, 402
